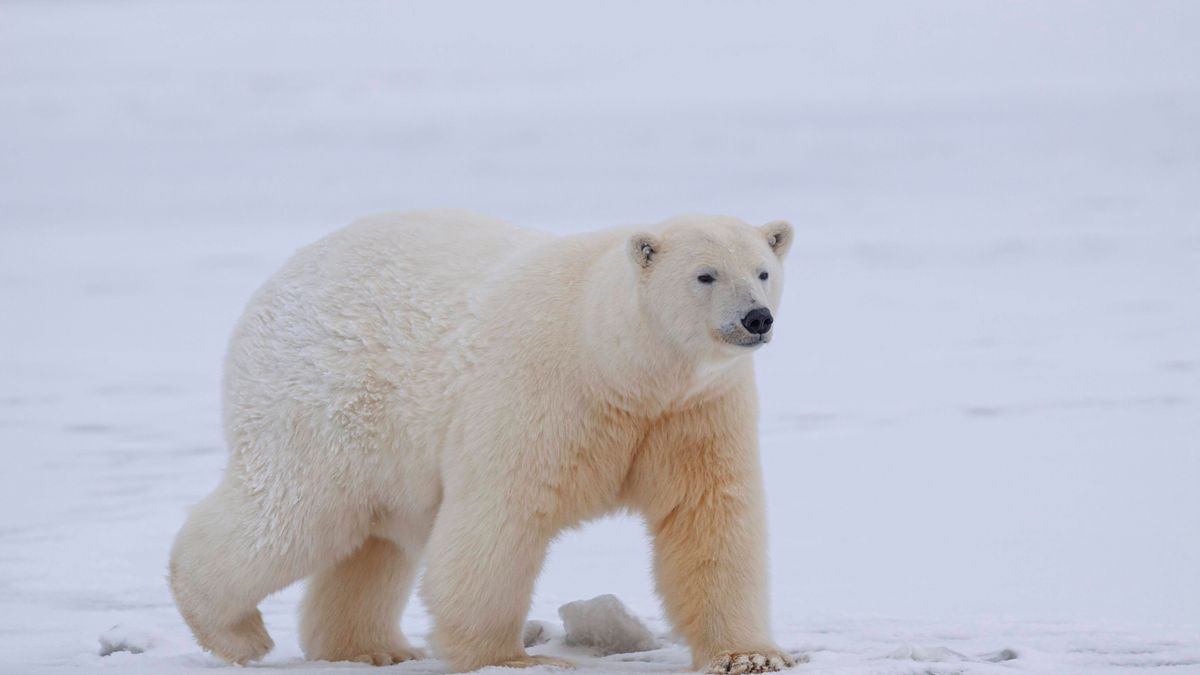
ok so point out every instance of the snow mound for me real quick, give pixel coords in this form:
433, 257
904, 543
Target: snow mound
122, 639
605, 624
1000, 656
908, 652
539, 633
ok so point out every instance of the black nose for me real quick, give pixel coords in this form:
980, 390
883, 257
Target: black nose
758, 321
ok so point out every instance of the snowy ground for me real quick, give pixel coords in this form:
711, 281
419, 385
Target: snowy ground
981, 415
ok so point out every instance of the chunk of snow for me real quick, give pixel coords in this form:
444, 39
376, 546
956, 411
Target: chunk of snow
1000, 656
122, 639
907, 652
605, 624
539, 633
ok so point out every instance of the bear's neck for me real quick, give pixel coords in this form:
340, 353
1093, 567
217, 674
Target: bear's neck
636, 368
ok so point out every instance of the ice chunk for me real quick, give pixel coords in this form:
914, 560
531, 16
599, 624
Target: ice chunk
906, 652
604, 624
1005, 654
539, 633
122, 639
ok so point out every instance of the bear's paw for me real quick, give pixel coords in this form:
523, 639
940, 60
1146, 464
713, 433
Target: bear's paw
531, 660
738, 663
388, 657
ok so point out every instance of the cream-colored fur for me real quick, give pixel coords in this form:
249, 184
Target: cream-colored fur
447, 387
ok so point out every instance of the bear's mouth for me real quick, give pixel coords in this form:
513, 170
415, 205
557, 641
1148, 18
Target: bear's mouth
748, 341
756, 340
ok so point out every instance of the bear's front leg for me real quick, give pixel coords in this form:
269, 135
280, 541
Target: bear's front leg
700, 488
484, 556
709, 558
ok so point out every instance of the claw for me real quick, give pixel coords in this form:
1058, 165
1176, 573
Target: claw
745, 663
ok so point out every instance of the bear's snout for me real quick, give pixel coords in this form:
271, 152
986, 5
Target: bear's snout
758, 321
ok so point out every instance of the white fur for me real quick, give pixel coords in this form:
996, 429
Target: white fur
448, 387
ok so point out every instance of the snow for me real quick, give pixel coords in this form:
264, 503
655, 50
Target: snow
980, 416
122, 639
539, 633
606, 625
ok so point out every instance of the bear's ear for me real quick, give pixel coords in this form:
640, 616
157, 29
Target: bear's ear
779, 236
643, 248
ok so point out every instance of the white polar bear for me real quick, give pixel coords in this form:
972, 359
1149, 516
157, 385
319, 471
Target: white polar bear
445, 386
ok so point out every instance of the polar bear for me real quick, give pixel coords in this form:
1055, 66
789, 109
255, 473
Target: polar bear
446, 387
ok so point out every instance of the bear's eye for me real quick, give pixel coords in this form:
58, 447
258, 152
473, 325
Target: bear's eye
705, 278
763, 276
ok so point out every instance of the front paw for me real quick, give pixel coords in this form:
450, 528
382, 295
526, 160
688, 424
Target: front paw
387, 656
535, 660
761, 661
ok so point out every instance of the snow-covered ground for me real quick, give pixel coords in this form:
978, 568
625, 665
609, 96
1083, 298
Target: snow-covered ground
981, 415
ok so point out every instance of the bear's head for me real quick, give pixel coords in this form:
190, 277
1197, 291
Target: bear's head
711, 284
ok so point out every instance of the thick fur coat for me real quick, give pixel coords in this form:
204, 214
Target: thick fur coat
448, 389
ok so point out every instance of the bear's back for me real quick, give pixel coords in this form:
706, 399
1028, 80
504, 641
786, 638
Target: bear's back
368, 325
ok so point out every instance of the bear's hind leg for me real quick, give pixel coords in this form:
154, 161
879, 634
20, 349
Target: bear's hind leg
352, 610
221, 569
